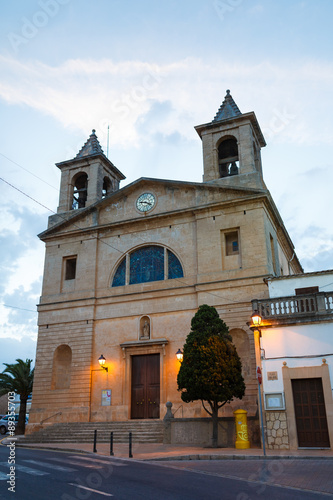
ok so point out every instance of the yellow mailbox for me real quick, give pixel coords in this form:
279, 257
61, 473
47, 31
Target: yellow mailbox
242, 438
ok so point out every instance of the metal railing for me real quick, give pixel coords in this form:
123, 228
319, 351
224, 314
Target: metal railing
54, 414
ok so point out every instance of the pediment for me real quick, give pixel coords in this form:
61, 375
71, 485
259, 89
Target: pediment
170, 197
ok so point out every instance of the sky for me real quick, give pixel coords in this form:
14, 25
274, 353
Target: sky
151, 71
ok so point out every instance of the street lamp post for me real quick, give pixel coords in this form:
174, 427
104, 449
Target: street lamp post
255, 326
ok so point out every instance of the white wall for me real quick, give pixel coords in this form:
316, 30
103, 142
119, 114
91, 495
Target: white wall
284, 287
299, 342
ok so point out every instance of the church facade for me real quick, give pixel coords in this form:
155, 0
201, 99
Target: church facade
127, 268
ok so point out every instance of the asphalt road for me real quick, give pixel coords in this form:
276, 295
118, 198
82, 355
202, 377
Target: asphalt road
42, 475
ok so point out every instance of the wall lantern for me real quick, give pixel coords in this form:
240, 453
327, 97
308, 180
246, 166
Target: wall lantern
101, 361
256, 319
179, 355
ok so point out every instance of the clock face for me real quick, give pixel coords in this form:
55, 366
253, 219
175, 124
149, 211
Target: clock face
145, 202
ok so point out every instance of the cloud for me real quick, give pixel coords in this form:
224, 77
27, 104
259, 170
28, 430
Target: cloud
322, 260
12, 349
21, 251
22, 256
84, 93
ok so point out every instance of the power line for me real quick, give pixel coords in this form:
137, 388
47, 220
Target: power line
26, 170
20, 308
114, 248
25, 194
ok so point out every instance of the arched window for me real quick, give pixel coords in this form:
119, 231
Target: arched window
61, 369
228, 157
80, 191
107, 187
148, 263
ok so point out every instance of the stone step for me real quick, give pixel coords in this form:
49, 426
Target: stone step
142, 432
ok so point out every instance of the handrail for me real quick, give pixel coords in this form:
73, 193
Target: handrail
181, 406
58, 413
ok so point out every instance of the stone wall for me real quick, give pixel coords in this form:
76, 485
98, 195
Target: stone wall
277, 430
199, 431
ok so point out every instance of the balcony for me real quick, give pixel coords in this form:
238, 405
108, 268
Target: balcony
295, 309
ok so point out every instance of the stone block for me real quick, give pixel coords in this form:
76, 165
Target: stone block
276, 424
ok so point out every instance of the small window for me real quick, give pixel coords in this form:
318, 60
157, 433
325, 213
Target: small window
70, 268
231, 243
273, 253
307, 291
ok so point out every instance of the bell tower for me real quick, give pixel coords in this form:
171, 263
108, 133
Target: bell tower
231, 145
87, 178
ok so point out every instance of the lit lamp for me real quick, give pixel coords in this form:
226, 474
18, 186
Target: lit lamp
179, 355
256, 319
101, 361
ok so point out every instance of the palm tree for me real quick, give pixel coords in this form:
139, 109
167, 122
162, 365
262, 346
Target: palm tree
18, 377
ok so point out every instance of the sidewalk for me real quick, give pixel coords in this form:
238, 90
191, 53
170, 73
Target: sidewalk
145, 451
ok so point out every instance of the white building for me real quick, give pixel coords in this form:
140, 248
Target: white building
296, 351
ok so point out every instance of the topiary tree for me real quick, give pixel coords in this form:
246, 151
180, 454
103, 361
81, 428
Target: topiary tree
18, 377
211, 370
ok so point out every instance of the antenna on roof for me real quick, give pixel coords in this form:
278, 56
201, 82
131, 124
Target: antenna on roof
107, 147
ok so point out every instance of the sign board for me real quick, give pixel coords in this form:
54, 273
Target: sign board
274, 401
106, 397
259, 375
272, 375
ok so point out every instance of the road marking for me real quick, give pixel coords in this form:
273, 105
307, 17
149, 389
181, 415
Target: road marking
51, 466
27, 470
90, 489
105, 462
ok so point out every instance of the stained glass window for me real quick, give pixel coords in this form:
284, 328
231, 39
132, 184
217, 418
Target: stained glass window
175, 269
119, 277
147, 264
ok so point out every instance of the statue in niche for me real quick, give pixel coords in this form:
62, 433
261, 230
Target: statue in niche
145, 330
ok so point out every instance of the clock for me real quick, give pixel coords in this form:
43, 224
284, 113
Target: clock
145, 202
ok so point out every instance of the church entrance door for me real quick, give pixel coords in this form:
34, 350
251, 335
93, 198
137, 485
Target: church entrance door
145, 400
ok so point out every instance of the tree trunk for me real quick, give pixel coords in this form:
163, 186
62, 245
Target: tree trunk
20, 429
215, 412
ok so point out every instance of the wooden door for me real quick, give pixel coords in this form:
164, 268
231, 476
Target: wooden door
310, 413
145, 398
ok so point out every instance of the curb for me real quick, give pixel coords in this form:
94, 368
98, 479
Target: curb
233, 457
174, 457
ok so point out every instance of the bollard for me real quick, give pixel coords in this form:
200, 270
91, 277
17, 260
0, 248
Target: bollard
130, 446
242, 439
111, 444
95, 441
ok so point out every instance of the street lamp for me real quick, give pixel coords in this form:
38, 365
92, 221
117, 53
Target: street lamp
101, 361
179, 355
256, 319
